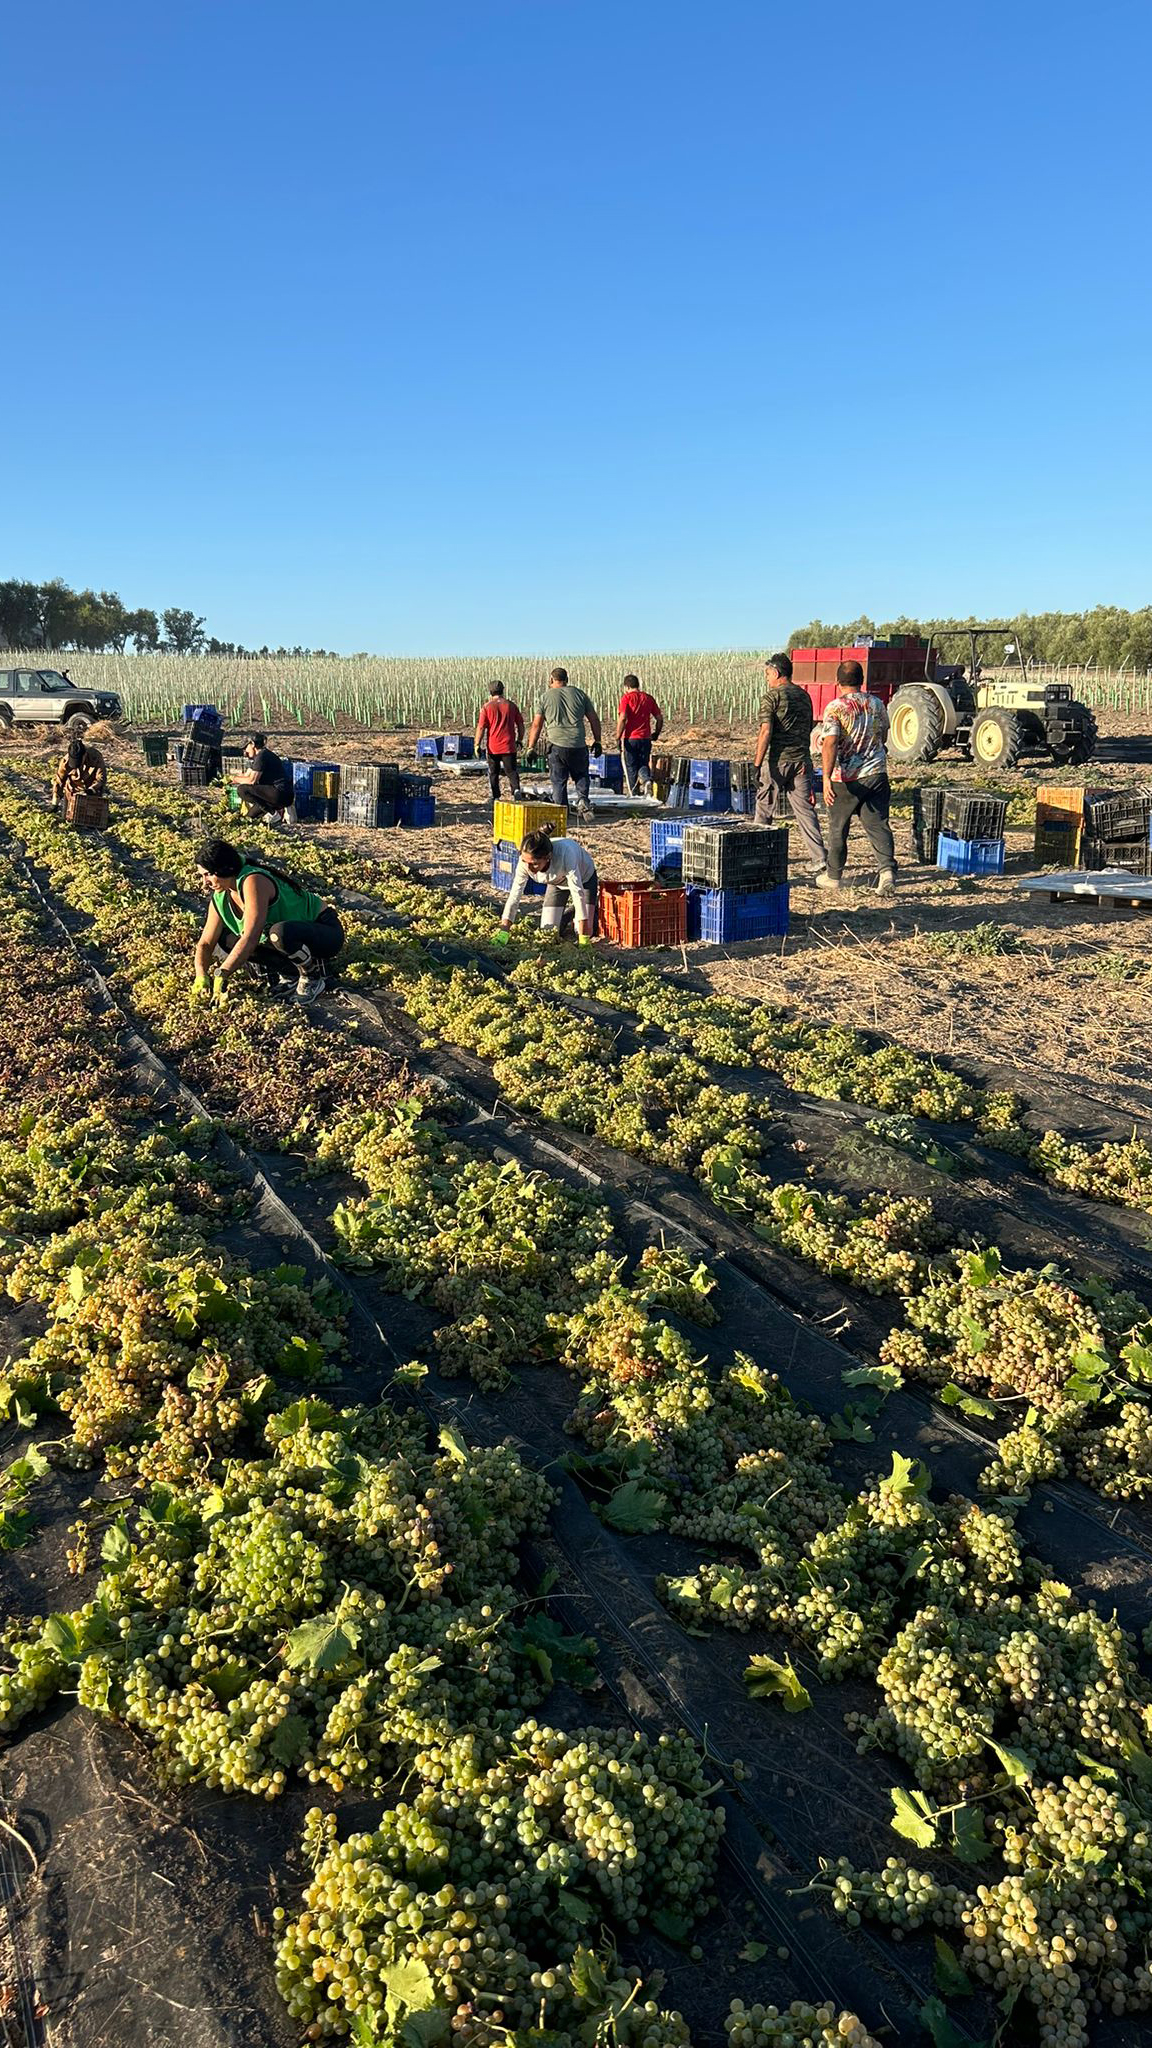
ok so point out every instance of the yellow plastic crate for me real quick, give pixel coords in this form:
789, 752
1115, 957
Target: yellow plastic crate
326, 782
1059, 803
513, 821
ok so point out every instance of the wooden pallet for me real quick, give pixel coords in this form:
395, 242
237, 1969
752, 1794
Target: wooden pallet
1108, 888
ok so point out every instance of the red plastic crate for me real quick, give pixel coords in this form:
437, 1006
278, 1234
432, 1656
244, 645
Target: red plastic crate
640, 914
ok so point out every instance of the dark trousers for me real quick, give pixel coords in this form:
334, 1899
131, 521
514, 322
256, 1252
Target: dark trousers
870, 802
637, 756
507, 762
565, 762
264, 796
791, 783
559, 913
296, 943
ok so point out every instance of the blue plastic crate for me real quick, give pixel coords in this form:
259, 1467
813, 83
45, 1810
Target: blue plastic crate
206, 712
429, 748
505, 854
413, 785
710, 775
667, 843
459, 746
607, 770
727, 914
700, 799
744, 802
969, 856
693, 898
416, 810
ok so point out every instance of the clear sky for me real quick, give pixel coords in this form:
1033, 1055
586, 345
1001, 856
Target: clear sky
487, 325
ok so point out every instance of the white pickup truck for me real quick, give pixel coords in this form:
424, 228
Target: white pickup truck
42, 696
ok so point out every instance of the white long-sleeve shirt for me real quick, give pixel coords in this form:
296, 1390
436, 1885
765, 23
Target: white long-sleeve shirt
571, 863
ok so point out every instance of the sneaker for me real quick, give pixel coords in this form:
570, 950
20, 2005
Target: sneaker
310, 985
824, 880
585, 813
886, 883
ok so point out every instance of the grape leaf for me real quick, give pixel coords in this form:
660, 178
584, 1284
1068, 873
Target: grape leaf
225, 1681
321, 1644
913, 1816
586, 1975
908, 1475
984, 1267
670, 1925
850, 1428
286, 1422
634, 1508
407, 1986
767, 1679
453, 1445
969, 1842
976, 1334
1018, 1766
888, 1376
289, 1740
424, 2029
116, 1549
577, 1907
937, 2025
753, 1951
952, 1981
968, 1404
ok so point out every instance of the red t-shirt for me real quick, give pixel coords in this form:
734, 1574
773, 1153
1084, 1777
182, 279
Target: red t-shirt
500, 720
638, 710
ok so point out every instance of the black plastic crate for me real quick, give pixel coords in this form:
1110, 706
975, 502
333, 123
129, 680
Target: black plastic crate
965, 816
380, 779
735, 856
196, 778
361, 807
414, 785
197, 755
1133, 855
743, 775
1118, 817
927, 807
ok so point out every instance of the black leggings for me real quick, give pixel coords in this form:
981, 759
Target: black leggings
295, 943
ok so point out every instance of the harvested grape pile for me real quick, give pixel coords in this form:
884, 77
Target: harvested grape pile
285, 1587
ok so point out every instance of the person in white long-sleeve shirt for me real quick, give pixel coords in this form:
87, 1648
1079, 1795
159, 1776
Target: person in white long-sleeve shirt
567, 868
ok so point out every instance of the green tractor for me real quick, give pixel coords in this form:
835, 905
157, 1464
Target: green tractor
993, 721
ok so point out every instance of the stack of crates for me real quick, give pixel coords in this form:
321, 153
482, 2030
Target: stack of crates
1060, 823
606, 771
199, 757
741, 873
1116, 833
458, 746
676, 797
927, 807
415, 803
511, 823
710, 786
315, 788
430, 748
667, 848
368, 794
743, 788
642, 914
971, 838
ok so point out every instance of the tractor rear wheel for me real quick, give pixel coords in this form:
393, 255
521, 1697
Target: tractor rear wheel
995, 738
915, 725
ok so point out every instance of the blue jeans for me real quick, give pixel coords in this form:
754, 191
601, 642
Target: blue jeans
564, 762
637, 763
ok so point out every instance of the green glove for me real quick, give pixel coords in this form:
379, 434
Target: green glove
585, 939
199, 989
219, 990
501, 936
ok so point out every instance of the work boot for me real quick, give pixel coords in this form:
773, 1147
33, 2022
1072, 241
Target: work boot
886, 883
584, 813
824, 880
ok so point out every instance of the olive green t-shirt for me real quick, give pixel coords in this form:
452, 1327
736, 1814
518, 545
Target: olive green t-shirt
564, 711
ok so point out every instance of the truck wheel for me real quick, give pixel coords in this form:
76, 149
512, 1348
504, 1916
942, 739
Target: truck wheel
5, 718
1082, 744
994, 741
915, 725
77, 721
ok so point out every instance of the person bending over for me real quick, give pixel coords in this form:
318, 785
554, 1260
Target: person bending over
500, 728
258, 912
639, 724
573, 891
82, 772
263, 789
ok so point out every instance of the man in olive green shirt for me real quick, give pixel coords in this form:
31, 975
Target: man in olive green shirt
782, 760
562, 716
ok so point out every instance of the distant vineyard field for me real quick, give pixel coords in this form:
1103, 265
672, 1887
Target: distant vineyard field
445, 693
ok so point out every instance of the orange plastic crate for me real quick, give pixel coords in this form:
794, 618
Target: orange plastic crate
640, 914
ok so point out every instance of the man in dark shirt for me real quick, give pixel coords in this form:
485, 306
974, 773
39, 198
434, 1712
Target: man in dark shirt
264, 787
783, 760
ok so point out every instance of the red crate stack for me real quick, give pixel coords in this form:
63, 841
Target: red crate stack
640, 914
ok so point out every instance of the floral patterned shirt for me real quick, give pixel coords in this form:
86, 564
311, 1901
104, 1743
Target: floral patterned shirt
858, 723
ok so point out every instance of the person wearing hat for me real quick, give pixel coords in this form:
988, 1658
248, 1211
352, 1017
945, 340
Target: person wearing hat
263, 790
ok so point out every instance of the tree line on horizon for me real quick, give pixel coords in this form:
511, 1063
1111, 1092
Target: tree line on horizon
1106, 637
53, 617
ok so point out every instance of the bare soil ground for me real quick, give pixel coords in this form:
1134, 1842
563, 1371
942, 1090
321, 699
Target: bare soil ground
1072, 998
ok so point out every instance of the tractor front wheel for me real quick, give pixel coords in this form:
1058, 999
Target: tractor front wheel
915, 725
995, 739
1080, 744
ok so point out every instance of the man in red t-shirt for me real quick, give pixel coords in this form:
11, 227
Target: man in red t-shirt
501, 728
640, 721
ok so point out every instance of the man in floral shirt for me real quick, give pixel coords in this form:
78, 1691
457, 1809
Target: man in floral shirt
850, 746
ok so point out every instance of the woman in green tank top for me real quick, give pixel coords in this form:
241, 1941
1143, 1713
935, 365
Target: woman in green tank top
259, 912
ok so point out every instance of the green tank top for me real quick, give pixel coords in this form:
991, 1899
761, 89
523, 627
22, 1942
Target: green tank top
290, 904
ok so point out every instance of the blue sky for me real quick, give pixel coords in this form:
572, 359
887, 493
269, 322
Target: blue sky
520, 324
